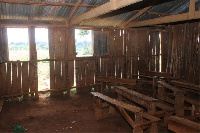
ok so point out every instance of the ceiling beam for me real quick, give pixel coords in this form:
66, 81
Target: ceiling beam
74, 10
157, 13
166, 19
192, 8
103, 9
135, 16
41, 3
24, 23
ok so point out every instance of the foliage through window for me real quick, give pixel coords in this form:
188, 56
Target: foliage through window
83, 43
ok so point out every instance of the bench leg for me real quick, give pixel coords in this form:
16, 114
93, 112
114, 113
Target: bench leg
179, 104
138, 130
154, 128
152, 109
154, 87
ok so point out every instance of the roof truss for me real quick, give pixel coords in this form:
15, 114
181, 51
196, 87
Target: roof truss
103, 9
41, 3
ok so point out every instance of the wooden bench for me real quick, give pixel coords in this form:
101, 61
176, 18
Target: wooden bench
176, 97
195, 106
182, 125
188, 87
114, 81
148, 102
151, 77
1, 104
141, 119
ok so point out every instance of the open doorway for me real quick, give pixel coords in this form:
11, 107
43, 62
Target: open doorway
42, 47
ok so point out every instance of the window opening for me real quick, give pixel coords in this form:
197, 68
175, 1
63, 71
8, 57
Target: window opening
83, 43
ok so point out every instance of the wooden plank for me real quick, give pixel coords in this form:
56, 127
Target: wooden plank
103, 9
51, 56
166, 19
3, 45
76, 7
174, 89
1, 104
135, 16
180, 125
136, 94
19, 77
117, 103
127, 117
192, 8
14, 78
25, 78
8, 79
117, 80
24, 23
1, 80
32, 80
42, 3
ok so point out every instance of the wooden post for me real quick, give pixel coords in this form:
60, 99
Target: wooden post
33, 62
179, 103
192, 8
152, 109
154, 128
161, 91
138, 121
154, 85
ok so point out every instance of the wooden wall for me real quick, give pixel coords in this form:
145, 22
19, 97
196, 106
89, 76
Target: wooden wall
182, 51
129, 52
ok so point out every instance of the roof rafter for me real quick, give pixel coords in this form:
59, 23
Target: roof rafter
103, 9
74, 10
135, 16
40, 3
15, 22
164, 20
191, 15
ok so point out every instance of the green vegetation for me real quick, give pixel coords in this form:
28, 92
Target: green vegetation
83, 48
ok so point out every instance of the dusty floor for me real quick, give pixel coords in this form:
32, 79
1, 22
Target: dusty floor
58, 114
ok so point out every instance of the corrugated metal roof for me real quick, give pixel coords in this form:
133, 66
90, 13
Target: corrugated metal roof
95, 2
82, 10
113, 21
38, 12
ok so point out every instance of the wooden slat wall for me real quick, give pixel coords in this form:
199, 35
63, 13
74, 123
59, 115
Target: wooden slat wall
15, 79
183, 54
33, 77
85, 71
57, 47
3, 45
143, 49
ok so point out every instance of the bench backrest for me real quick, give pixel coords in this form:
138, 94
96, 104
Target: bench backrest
136, 94
118, 103
170, 87
154, 73
117, 80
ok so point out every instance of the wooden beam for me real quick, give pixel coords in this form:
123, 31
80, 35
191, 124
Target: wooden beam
103, 9
135, 16
164, 20
40, 3
192, 8
24, 23
157, 13
74, 10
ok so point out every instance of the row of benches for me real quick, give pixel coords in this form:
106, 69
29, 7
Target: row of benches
166, 94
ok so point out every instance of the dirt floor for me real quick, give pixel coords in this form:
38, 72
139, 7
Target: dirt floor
60, 114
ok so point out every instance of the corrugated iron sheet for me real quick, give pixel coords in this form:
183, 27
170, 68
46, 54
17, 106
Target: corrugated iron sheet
95, 2
114, 21
36, 12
